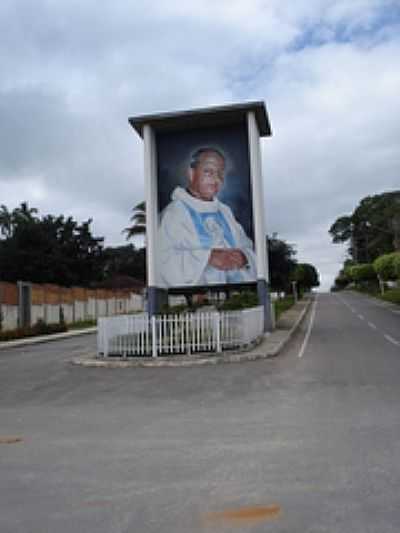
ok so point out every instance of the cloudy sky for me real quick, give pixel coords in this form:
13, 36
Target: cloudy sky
72, 72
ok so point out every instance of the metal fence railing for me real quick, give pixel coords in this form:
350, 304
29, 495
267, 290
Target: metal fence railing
188, 333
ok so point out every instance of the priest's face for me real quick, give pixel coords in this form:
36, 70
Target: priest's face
207, 177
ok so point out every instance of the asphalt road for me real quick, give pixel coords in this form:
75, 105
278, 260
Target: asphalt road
308, 442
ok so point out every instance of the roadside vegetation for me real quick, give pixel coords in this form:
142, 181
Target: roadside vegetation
373, 233
40, 328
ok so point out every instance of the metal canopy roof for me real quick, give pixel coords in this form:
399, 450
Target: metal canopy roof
206, 116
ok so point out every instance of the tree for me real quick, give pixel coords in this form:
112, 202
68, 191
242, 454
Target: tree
125, 260
281, 259
138, 220
363, 272
386, 266
48, 249
372, 229
306, 276
5, 221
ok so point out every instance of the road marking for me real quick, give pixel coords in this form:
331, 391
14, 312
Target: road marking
345, 303
360, 317
310, 325
392, 340
371, 325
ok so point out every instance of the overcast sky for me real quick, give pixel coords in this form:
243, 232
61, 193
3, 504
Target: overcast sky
72, 72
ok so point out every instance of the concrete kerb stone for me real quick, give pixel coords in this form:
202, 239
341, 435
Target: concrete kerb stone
286, 338
270, 346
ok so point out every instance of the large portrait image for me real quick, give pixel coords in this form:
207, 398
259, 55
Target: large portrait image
206, 234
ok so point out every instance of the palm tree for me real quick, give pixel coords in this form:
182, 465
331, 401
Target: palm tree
9, 220
138, 220
5, 221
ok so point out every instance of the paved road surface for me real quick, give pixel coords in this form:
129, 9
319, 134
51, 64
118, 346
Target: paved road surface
310, 443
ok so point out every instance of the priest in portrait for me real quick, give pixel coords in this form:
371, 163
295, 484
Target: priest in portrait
201, 242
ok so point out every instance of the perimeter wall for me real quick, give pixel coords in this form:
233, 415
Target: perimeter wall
52, 303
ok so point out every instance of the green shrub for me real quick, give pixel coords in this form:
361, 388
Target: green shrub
40, 328
174, 309
362, 272
347, 273
239, 301
386, 266
82, 324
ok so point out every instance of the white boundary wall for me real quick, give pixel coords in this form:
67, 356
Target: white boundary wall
10, 316
73, 312
51, 313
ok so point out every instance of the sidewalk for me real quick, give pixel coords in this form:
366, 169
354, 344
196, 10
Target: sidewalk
270, 346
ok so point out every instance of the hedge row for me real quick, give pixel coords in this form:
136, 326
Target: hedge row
40, 328
387, 266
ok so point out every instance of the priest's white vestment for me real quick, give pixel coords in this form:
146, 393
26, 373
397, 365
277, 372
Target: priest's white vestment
189, 229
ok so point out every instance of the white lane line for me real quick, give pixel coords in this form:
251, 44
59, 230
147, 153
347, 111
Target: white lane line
310, 325
371, 325
360, 317
346, 304
392, 340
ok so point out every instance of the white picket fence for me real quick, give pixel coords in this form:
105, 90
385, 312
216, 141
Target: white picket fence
189, 333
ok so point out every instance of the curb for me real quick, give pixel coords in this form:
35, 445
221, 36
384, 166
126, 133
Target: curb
292, 331
263, 352
46, 338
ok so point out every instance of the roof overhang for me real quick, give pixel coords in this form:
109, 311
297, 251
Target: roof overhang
204, 117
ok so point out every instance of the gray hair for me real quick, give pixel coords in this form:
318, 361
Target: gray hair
195, 158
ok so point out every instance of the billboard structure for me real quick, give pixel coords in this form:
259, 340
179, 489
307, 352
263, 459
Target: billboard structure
204, 199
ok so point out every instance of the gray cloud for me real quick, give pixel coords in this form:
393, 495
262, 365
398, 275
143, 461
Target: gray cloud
72, 73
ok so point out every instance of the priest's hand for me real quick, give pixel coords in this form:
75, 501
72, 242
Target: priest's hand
227, 258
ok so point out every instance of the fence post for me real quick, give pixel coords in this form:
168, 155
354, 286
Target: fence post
188, 334
153, 336
103, 334
245, 329
273, 315
218, 332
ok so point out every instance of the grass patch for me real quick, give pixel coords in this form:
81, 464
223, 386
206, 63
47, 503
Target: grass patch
282, 305
82, 324
391, 295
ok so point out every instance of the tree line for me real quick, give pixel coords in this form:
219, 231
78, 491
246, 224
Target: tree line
372, 233
61, 250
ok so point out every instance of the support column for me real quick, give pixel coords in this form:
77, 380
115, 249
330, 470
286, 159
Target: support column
259, 221
150, 178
